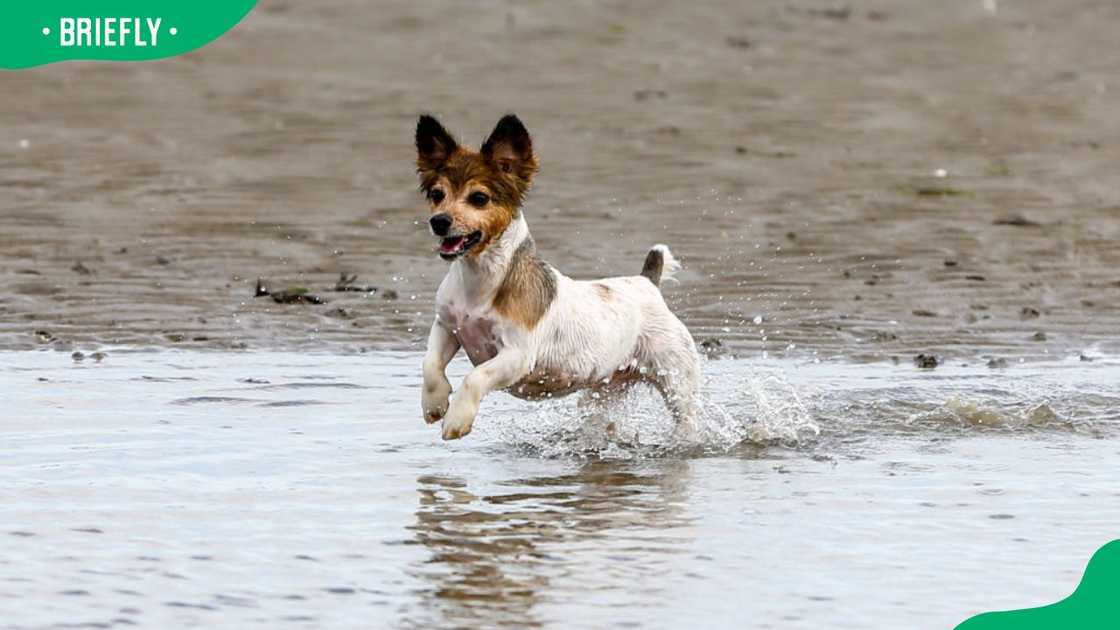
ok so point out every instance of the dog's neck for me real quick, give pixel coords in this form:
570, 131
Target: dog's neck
483, 274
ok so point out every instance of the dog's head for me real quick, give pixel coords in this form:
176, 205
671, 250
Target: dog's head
473, 195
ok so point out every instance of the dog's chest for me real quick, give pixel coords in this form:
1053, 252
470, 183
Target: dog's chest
476, 332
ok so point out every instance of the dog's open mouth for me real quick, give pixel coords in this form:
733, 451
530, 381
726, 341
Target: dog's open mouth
454, 246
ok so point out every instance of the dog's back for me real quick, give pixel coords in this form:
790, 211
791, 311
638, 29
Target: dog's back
609, 332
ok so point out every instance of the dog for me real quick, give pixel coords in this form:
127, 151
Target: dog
527, 328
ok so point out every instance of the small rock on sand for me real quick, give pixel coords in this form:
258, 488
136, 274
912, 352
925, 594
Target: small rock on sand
645, 95
712, 347
297, 295
737, 41
346, 282
1016, 220
926, 361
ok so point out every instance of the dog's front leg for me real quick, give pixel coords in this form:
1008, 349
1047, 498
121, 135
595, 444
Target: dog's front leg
505, 369
442, 346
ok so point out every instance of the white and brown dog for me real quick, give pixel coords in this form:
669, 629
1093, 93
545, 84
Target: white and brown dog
527, 328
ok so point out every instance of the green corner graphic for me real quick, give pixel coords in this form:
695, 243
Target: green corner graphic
37, 33
1094, 605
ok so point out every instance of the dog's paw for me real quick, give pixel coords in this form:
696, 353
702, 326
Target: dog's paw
434, 401
434, 414
457, 423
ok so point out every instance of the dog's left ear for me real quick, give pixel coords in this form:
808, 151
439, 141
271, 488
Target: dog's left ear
510, 148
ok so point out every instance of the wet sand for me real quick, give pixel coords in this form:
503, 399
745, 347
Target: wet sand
788, 152
235, 490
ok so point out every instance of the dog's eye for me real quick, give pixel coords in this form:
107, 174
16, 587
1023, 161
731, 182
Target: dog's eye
435, 195
478, 199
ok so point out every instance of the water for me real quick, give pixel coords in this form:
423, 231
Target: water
206, 489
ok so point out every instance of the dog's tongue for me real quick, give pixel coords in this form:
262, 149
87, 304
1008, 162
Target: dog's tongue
452, 245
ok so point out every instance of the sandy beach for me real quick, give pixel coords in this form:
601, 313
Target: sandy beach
790, 153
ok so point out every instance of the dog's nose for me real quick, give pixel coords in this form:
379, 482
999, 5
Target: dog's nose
440, 223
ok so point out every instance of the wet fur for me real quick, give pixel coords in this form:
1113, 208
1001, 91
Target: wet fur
528, 288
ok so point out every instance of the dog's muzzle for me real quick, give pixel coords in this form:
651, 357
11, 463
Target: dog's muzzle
453, 246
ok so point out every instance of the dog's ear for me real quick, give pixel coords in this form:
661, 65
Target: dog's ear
510, 148
433, 144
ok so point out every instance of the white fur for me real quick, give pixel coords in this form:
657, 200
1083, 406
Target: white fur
583, 341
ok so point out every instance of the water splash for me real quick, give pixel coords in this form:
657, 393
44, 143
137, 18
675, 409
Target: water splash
761, 408
781, 415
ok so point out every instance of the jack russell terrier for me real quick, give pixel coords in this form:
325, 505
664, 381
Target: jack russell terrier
527, 328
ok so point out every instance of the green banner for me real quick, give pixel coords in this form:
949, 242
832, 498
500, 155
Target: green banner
37, 33
1094, 605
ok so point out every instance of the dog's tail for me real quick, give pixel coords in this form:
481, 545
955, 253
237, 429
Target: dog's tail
660, 264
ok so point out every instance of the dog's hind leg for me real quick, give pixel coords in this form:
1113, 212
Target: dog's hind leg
596, 406
594, 413
673, 366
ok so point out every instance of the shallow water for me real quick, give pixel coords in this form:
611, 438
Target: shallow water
205, 489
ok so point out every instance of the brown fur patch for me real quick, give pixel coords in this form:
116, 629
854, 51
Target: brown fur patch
604, 291
528, 288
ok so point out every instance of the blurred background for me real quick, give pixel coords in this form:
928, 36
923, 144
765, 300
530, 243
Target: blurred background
866, 180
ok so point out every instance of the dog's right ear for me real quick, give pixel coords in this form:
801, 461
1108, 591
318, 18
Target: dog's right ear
433, 144
511, 149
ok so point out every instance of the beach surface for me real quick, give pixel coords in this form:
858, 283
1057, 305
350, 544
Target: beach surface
865, 182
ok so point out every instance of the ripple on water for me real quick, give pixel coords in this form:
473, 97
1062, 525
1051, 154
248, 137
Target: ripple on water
210, 400
309, 385
293, 403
